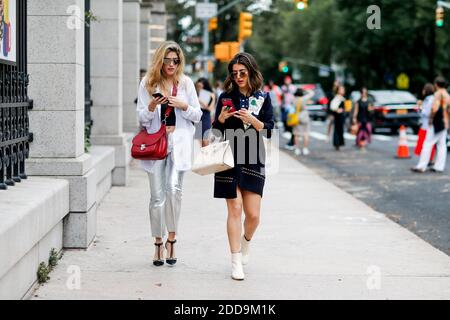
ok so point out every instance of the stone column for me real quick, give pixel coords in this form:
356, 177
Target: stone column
158, 25
56, 68
131, 53
144, 59
107, 83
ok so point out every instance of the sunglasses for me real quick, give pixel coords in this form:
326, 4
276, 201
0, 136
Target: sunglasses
240, 74
175, 61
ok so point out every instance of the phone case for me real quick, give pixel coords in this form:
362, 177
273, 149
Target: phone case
228, 103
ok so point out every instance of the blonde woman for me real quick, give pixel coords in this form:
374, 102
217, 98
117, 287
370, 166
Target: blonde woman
166, 86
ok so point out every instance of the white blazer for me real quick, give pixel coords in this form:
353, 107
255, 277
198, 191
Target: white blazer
183, 136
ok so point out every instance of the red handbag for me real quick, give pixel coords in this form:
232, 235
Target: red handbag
152, 146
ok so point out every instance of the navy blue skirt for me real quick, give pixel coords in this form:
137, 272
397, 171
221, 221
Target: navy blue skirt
247, 177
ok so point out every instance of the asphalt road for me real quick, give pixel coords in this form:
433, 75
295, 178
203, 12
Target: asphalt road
419, 202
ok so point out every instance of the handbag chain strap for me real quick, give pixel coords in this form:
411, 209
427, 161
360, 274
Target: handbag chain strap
169, 109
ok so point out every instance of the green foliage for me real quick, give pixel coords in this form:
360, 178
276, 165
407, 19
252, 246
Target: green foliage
42, 273
44, 269
54, 258
335, 31
87, 139
89, 17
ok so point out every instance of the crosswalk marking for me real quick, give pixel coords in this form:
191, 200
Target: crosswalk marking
412, 140
318, 136
380, 137
349, 136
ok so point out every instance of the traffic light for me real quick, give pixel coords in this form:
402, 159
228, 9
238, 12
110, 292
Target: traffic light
440, 17
225, 51
235, 48
245, 25
301, 4
210, 66
212, 25
283, 67
221, 51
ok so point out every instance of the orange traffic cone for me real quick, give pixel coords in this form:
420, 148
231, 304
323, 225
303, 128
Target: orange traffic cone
403, 149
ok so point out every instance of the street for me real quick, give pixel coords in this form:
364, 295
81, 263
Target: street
418, 202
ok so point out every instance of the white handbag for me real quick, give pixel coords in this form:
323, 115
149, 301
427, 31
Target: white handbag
213, 158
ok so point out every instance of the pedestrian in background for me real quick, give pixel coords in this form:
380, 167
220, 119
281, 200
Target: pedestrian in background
330, 118
218, 88
242, 186
361, 116
288, 91
302, 129
425, 112
437, 130
178, 98
207, 101
276, 99
337, 107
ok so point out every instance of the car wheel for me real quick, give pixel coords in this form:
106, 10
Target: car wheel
415, 129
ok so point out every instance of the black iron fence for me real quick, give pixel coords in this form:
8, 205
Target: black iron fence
87, 74
14, 103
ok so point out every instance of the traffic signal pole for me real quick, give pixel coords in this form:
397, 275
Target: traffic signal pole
205, 45
206, 33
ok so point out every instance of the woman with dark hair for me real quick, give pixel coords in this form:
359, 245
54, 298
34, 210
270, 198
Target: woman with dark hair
361, 116
428, 94
337, 108
437, 130
243, 116
207, 102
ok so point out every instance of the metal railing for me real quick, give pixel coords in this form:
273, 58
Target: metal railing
87, 75
14, 102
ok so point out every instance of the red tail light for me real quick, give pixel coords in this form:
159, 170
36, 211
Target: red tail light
383, 110
323, 100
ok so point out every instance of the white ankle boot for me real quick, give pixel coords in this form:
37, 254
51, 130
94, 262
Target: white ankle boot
237, 271
245, 248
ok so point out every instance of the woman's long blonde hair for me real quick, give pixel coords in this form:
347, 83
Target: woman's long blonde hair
155, 76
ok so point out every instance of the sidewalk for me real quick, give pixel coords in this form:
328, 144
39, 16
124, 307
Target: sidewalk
315, 242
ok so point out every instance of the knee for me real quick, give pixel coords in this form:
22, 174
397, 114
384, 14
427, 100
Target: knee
174, 191
253, 216
235, 210
157, 200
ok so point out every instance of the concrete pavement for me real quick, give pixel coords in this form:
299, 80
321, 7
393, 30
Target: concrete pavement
315, 241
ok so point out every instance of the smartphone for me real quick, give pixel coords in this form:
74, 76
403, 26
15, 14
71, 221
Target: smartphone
157, 95
228, 103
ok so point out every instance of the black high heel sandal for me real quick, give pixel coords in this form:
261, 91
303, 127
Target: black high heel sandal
170, 259
159, 261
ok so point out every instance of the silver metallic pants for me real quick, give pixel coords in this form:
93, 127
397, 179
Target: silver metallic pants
165, 196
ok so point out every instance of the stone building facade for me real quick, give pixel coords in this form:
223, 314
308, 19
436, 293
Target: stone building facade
75, 73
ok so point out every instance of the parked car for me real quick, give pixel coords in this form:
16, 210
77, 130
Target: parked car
317, 105
448, 140
392, 108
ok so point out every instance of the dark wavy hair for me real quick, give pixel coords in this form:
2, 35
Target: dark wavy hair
428, 89
255, 78
206, 84
440, 82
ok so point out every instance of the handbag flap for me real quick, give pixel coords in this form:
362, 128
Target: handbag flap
149, 139
213, 153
